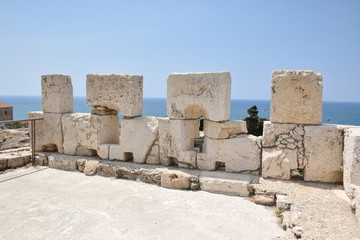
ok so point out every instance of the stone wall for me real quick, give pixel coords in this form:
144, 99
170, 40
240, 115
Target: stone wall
294, 142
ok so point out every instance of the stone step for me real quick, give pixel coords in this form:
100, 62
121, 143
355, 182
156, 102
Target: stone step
170, 177
14, 158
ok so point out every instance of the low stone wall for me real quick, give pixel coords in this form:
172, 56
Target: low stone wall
294, 142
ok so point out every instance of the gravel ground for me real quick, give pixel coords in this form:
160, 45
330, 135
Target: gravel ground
318, 210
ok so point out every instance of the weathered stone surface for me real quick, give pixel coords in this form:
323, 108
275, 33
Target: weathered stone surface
283, 202
57, 94
63, 162
154, 155
91, 167
351, 156
116, 91
277, 163
177, 141
273, 130
324, 153
81, 164
49, 136
222, 130
3, 164
14, 138
83, 132
103, 151
105, 170
175, 180
137, 137
41, 160
224, 186
239, 154
296, 97
263, 200
192, 95
152, 176
14, 162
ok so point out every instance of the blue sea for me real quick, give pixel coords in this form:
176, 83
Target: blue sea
347, 113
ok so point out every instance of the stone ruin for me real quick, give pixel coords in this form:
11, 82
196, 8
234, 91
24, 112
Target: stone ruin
294, 140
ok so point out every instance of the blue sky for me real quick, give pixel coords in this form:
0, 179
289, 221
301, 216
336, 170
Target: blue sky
156, 38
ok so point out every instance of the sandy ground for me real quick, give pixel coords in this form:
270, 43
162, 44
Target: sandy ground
43, 203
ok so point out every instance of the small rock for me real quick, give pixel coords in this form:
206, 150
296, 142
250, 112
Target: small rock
291, 146
282, 202
263, 200
91, 167
290, 140
296, 136
195, 186
81, 164
175, 180
298, 231
299, 131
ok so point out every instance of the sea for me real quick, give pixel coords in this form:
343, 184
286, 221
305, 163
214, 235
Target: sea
346, 113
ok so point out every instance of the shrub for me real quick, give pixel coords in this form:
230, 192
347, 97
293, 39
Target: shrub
254, 123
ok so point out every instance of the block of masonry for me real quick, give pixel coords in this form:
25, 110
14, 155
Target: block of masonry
240, 154
296, 97
118, 92
324, 153
176, 142
85, 134
138, 135
192, 95
57, 93
48, 131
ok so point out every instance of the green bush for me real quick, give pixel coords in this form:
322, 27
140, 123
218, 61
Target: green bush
14, 125
254, 123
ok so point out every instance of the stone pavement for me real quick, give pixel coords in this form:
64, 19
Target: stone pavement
44, 203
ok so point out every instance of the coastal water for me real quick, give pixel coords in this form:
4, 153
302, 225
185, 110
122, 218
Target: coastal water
347, 113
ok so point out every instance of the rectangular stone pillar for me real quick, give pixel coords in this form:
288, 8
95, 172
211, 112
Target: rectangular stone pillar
57, 94
296, 97
119, 92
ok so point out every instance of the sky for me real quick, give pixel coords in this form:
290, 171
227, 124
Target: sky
155, 38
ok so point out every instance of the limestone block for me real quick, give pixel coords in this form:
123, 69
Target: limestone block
91, 167
57, 94
84, 132
192, 95
176, 141
324, 153
351, 156
49, 135
3, 164
175, 180
115, 151
103, 151
296, 97
105, 170
137, 137
116, 91
222, 130
15, 162
63, 162
154, 155
239, 154
277, 163
225, 186
272, 130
